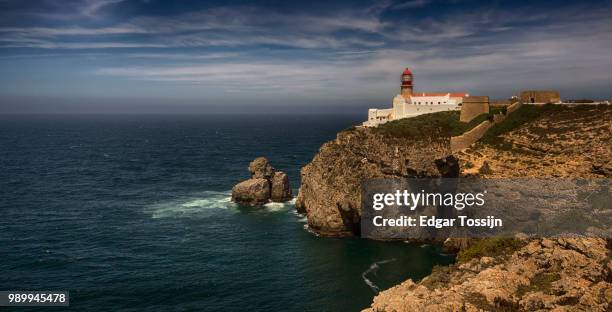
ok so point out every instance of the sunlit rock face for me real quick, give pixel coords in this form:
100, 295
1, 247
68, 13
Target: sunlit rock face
564, 274
265, 185
330, 193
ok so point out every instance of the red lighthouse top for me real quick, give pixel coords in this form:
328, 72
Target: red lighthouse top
407, 72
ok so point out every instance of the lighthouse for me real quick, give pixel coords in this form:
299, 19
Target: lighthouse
410, 104
406, 89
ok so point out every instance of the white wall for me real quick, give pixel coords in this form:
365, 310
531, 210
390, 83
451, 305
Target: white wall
378, 116
411, 107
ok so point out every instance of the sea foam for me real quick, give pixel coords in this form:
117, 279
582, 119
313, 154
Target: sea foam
195, 206
201, 205
374, 267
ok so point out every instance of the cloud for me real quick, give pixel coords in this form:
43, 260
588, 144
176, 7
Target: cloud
46, 32
410, 4
263, 77
83, 45
353, 52
91, 7
220, 26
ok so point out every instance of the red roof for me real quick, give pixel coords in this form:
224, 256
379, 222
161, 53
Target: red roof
407, 72
417, 94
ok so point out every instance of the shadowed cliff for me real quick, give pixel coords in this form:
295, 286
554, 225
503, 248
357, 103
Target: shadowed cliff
534, 141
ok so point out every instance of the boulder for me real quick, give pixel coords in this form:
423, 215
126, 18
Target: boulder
264, 185
281, 191
261, 168
252, 192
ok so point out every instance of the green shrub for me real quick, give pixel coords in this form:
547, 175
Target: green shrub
440, 277
434, 125
490, 247
540, 282
423, 126
524, 114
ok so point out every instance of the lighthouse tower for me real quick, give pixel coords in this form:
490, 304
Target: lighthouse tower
406, 89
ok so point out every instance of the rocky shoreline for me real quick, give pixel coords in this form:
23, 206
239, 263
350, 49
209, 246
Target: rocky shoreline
564, 274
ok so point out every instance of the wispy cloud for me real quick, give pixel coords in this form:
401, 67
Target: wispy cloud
264, 77
410, 4
330, 52
220, 26
91, 7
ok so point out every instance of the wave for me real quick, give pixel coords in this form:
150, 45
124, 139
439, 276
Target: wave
276, 207
374, 267
311, 231
202, 203
193, 206
301, 217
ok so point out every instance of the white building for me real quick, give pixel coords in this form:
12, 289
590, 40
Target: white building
408, 104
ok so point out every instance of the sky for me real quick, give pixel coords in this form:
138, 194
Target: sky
148, 56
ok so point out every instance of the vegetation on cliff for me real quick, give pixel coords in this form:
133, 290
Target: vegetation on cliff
491, 247
561, 274
528, 114
330, 192
545, 141
440, 124
490, 274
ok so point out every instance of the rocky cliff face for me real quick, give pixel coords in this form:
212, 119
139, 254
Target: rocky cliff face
330, 193
565, 274
572, 142
561, 142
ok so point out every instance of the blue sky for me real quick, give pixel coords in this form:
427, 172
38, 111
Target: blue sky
292, 56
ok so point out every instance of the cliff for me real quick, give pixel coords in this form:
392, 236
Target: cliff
533, 141
330, 189
549, 141
564, 274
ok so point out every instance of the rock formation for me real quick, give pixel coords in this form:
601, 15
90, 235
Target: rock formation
265, 185
330, 193
563, 274
260, 168
281, 191
563, 142
252, 192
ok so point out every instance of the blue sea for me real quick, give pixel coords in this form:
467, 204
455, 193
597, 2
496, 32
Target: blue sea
133, 213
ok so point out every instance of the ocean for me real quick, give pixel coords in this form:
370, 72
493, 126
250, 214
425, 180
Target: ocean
133, 213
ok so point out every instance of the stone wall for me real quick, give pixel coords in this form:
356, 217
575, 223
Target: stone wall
513, 107
465, 140
473, 106
540, 96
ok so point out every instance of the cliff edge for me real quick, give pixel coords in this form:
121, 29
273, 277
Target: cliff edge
533, 141
561, 274
330, 190
564, 274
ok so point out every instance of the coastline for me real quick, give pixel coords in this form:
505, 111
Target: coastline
503, 152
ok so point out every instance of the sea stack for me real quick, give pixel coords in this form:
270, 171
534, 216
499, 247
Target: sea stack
265, 185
